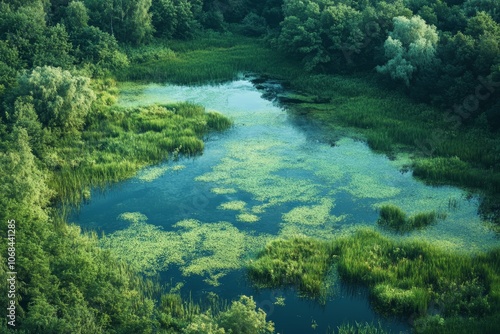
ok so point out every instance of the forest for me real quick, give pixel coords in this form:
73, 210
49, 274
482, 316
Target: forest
414, 76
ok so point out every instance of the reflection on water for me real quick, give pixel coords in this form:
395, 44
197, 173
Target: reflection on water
199, 219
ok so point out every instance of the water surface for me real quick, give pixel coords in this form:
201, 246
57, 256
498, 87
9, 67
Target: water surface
197, 220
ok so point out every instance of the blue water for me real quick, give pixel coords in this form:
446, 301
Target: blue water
288, 180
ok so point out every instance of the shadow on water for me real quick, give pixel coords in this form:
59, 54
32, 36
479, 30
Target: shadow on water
199, 219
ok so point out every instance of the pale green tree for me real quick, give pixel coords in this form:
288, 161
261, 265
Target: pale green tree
61, 100
410, 47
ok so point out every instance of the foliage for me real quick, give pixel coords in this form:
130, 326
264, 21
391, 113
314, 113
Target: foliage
300, 262
61, 100
240, 317
127, 20
395, 219
358, 328
410, 47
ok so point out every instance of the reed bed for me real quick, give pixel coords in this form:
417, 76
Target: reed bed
125, 140
405, 278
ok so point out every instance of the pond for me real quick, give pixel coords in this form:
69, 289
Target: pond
197, 220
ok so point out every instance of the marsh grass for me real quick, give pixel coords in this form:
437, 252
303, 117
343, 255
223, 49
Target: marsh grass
395, 219
299, 262
405, 278
359, 328
211, 58
124, 140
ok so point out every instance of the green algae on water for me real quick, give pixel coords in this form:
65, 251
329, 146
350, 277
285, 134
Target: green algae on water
133, 217
210, 250
311, 214
233, 205
247, 218
364, 186
152, 173
223, 191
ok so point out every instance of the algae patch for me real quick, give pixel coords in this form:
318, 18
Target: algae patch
311, 214
152, 173
133, 217
233, 205
247, 218
209, 250
364, 186
223, 191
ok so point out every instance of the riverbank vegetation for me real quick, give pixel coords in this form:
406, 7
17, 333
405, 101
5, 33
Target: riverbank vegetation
404, 278
414, 75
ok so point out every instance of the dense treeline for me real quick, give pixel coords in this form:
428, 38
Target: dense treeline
445, 52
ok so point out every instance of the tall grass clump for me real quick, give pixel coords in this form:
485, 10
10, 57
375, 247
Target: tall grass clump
394, 218
209, 58
299, 262
360, 328
123, 140
406, 277
453, 170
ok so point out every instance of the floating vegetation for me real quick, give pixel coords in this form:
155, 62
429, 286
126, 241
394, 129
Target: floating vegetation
320, 232
364, 186
280, 301
310, 215
177, 168
247, 218
152, 173
223, 191
262, 207
209, 250
252, 167
133, 217
233, 205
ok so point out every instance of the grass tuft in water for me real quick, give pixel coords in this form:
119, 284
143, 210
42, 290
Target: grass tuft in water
300, 262
359, 328
395, 219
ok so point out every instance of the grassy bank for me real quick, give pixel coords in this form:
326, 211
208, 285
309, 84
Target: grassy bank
405, 278
387, 119
118, 141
